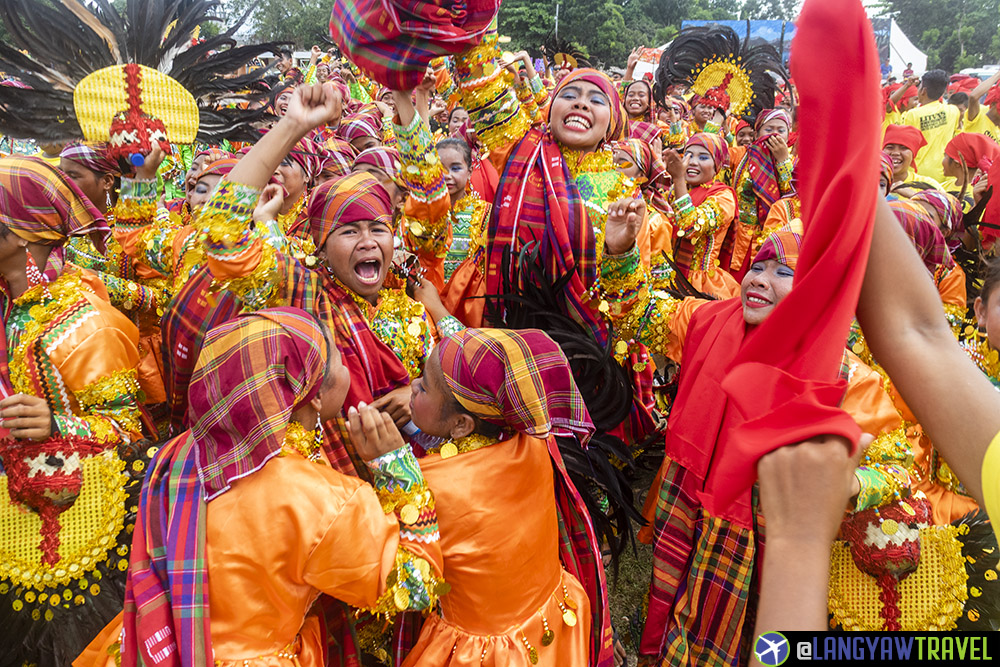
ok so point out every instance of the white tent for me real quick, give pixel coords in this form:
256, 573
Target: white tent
902, 51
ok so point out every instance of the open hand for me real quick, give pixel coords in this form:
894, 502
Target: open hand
372, 432
27, 417
269, 203
676, 164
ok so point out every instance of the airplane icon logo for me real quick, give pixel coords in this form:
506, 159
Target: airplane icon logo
771, 649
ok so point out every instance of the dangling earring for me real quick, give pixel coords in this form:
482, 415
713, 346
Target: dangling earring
31, 272
107, 200
318, 433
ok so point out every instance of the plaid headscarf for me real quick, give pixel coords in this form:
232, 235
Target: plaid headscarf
925, 235
651, 168
41, 205
386, 159
947, 206
348, 199
885, 167
517, 380
781, 245
358, 127
977, 151
92, 155
310, 156
714, 144
616, 128
771, 114
221, 167
252, 373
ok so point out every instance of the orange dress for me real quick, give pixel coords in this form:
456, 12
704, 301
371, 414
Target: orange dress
496, 511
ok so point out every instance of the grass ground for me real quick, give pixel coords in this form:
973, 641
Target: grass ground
628, 591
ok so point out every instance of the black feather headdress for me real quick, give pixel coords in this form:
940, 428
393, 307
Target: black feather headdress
714, 58
55, 47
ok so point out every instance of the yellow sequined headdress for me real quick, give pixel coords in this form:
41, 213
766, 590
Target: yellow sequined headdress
721, 69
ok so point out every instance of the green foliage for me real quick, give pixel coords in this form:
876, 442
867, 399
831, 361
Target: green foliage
953, 33
302, 22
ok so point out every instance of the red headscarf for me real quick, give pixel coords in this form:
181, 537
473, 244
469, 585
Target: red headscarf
651, 170
977, 151
905, 135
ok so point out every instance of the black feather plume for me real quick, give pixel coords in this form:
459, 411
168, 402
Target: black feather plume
54, 47
694, 47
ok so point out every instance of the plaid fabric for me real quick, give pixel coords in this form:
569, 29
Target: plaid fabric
885, 167
308, 155
976, 151
220, 167
40, 204
540, 203
768, 115
252, 373
781, 245
212, 154
948, 208
714, 144
166, 620
520, 380
360, 127
91, 155
394, 41
702, 570
655, 187
386, 159
374, 368
924, 233
643, 131
351, 198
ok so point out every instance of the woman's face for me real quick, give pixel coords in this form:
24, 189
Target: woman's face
359, 254
745, 136
626, 164
988, 316
763, 288
291, 175
364, 143
335, 387
902, 158
580, 116
281, 104
431, 401
774, 126
953, 169
192, 175
322, 72
703, 113
90, 182
202, 190
459, 117
456, 171
701, 165
637, 100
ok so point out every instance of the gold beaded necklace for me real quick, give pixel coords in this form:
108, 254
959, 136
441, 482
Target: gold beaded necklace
469, 443
298, 439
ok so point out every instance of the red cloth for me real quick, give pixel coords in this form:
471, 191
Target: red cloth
484, 179
977, 151
783, 383
904, 135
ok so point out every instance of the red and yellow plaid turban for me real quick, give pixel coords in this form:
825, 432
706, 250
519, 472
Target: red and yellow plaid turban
517, 380
782, 246
252, 373
714, 144
41, 205
91, 155
348, 199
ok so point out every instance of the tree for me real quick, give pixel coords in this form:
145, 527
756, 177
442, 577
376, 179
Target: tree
953, 33
301, 22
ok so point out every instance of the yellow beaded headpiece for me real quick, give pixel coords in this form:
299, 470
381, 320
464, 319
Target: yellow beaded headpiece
145, 107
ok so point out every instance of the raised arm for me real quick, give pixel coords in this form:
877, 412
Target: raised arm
978, 92
903, 320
